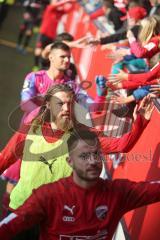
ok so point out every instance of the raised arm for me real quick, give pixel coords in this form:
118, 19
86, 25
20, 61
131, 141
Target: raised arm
131, 81
146, 51
118, 36
134, 195
128, 140
146, 77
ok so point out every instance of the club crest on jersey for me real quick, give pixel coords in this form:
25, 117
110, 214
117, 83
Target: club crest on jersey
26, 85
101, 212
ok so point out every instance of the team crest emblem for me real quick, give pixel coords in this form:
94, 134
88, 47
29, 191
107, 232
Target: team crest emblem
101, 212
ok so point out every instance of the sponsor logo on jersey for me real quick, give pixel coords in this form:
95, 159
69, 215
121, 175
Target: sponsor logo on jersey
69, 212
101, 212
101, 235
155, 182
150, 46
44, 160
70, 209
68, 219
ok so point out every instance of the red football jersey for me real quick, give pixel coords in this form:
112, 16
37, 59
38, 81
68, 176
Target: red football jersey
65, 210
50, 21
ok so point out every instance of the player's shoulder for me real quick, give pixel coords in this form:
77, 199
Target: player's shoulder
121, 183
39, 73
60, 183
40, 76
33, 74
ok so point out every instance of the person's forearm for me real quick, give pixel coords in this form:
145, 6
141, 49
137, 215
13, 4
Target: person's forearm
140, 194
140, 93
28, 106
146, 51
127, 141
138, 50
113, 38
129, 99
146, 77
119, 36
136, 84
96, 14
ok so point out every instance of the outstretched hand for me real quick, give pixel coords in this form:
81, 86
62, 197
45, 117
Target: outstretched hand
121, 99
118, 54
155, 89
121, 76
115, 80
81, 42
145, 108
94, 41
108, 46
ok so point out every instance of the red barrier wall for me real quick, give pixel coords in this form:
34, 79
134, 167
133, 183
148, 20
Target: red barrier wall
142, 162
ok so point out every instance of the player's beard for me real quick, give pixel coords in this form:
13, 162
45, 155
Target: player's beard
64, 123
85, 176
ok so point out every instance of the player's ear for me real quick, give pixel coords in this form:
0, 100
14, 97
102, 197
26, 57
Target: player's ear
49, 57
48, 105
69, 160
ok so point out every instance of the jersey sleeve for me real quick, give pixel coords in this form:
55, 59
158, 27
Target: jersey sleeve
147, 76
29, 88
146, 51
118, 36
141, 92
12, 151
136, 84
99, 12
32, 212
127, 141
142, 79
136, 195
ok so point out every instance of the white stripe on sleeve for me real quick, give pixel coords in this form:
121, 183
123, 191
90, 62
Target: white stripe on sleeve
8, 219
